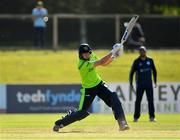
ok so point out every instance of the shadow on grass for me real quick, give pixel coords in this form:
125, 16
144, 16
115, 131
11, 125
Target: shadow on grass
76, 131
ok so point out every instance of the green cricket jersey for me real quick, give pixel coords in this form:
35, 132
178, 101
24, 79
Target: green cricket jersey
89, 76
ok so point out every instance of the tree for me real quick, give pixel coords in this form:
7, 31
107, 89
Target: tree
90, 6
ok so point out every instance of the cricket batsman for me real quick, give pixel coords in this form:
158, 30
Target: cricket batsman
92, 86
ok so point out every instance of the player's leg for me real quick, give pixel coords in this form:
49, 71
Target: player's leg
42, 36
150, 98
85, 102
36, 36
112, 100
139, 95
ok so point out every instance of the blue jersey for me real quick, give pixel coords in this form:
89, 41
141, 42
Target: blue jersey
39, 17
143, 70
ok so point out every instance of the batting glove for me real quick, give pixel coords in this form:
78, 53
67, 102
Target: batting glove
117, 50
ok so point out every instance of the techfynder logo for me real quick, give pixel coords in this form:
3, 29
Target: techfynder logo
47, 97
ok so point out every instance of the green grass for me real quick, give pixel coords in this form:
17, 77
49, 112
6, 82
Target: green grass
94, 127
32, 66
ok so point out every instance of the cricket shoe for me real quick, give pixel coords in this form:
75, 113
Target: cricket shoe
152, 119
124, 127
56, 128
135, 120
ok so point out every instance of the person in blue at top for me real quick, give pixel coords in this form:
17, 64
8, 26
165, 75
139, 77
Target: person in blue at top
40, 18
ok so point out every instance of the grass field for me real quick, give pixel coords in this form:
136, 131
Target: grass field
95, 127
32, 66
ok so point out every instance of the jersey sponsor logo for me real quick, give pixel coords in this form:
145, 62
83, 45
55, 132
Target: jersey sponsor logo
144, 70
140, 64
87, 95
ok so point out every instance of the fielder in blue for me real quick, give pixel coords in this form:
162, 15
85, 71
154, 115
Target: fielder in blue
39, 15
144, 67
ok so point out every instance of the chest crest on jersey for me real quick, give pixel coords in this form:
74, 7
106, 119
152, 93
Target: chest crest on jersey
148, 63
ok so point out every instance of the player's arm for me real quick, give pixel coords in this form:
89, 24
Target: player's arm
131, 74
154, 72
108, 62
41, 14
33, 14
104, 61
